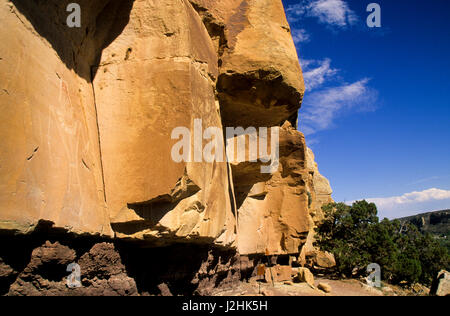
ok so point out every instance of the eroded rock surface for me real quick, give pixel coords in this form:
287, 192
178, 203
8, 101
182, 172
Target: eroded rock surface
441, 285
87, 121
282, 207
50, 155
32, 266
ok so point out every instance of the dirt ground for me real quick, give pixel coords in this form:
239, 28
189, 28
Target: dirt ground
338, 288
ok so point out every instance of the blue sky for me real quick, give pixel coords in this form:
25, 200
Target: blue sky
377, 108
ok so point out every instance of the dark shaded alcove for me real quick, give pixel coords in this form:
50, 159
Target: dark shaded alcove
185, 269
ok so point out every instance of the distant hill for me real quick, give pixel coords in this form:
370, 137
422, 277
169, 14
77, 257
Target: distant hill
436, 223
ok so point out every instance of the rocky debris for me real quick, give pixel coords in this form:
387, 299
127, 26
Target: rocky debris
339, 287
304, 275
441, 285
324, 287
417, 288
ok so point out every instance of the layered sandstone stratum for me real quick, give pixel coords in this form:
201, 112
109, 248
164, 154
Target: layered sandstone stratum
85, 142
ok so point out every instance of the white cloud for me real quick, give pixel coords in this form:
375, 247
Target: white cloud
316, 76
300, 36
296, 11
413, 197
412, 203
331, 12
322, 107
334, 12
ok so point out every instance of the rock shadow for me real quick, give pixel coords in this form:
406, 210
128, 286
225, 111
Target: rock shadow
80, 49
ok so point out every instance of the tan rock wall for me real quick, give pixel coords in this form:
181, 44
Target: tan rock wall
87, 116
156, 76
49, 154
277, 212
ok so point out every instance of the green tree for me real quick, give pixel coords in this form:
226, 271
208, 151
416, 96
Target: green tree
356, 237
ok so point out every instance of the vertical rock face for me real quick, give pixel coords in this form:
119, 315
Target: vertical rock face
277, 212
88, 132
159, 74
88, 116
49, 149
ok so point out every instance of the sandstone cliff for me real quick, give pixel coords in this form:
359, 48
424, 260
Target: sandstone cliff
87, 116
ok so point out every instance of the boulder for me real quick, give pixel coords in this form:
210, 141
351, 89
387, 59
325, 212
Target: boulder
441, 285
312, 257
324, 287
260, 81
284, 273
304, 275
279, 273
324, 259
